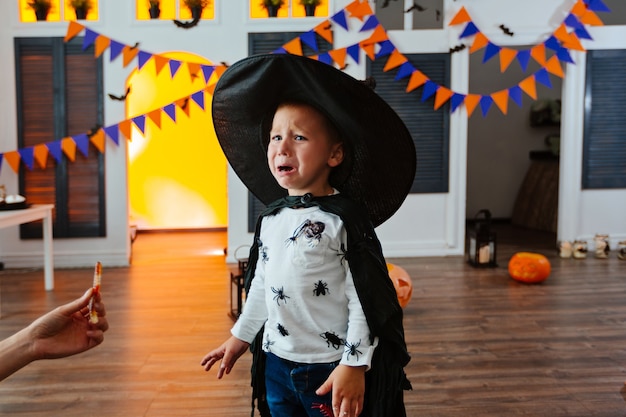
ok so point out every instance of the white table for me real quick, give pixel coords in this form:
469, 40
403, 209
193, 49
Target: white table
35, 212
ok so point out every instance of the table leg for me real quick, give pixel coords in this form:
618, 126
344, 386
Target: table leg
47, 252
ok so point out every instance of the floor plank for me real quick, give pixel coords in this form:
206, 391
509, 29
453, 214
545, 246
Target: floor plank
481, 343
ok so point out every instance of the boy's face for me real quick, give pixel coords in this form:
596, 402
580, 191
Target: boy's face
302, 150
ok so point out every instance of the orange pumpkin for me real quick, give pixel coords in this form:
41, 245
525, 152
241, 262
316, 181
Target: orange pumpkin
529, 268
402, 283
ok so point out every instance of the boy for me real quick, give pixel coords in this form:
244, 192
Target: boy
321, 314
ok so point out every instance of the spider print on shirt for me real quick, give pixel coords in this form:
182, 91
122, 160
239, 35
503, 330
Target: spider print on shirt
280, 295
321, 288
267, 344
263, 252
351, 350
343, 253
332, 339
311, 231
282, 330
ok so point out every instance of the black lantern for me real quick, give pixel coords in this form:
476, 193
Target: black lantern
237, 289
482, 241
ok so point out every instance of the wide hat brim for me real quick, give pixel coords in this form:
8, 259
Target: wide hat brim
380, 164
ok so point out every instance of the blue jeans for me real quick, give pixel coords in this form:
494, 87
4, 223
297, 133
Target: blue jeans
291, 387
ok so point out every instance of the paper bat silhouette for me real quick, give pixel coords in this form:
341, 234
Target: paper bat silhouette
415, 6
506, 30
385, 3
187, 25
458, 48
94, 130
120, 98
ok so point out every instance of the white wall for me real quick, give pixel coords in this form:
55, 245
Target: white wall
425, 225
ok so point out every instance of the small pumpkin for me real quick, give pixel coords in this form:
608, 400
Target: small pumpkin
529, 267
402, 283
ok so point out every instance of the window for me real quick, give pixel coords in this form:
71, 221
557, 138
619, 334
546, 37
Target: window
290, 8
59, 94
422, 14
604, 141
429, 128
60, 11
171, 9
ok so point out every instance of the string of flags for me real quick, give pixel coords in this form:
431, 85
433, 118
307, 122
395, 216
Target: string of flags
377, 45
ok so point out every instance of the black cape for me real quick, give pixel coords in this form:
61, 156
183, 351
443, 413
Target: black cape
386, 380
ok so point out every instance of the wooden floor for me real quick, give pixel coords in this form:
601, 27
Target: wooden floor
481, 343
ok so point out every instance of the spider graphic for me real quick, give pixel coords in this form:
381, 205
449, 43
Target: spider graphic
343, 253
263, 252
312, 232
351, 349
332, 340
321, 288
280, 295
267, 344
282, 330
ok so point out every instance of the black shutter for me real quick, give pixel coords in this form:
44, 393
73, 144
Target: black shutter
429, 128
259, 43
604, 143
59, 94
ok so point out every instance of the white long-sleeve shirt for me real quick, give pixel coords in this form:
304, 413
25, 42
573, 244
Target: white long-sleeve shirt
303, 292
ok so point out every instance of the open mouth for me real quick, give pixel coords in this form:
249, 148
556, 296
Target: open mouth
285, 168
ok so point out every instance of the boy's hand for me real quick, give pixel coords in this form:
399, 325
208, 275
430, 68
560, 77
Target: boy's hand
229, 352
348, 387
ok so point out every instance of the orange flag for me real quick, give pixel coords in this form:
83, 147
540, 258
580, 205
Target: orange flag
579, 9
210, 89
13, 158
395, 60
102, 43
417, 80
529, 86
369, 48
125, 128
480, 41
183, 104
471, 101
442, 95
294, 46
339, 56
40, 152
194, 69
359, 9
72, 30
378, 35
155, 116
461, 17
553, 66
129, 54
590, 18
69, 148
160, 62
501, 98
324, 29
538, 52
98, 140
507, 56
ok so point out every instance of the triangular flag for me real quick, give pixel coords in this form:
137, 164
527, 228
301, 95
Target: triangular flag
170, 110
55, 150
340, 19
159, 63
13, 159
417, 80
294, 46
125, 127
194, 69
310, 39
501, 98
442, 95
113, 133
563, 55
379, 35
470, 29
553, 65
573, 42
82, 143
68, 146
591, 19
538, 52
102, 43
359, 9
515, 93
485, 104
324, 29
430, 88
183, 104
369, 48
597, 6
507, 55
561, 33
339, 56
471, 101
73, 29
155, 116
210, 89
27, 155
371, 23
115, 50
386, 48
207, 71
198, 98
529, 86
456, 100
89, 39
324, 57
579, 9
523, 57
491, 51
174, 66
543, 77
395, 60
354, 52
143, 58
405, 70
480, 41
140, 122
98, 140
219, 70
129, 53
41, 155
461, 17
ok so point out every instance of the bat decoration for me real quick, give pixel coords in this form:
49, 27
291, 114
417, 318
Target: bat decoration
385, 3
438, 14
185, 103
506, 30
225, 64
120, 98
187, 25
458, 48
135, 46
415, 6
94, 130
344, 67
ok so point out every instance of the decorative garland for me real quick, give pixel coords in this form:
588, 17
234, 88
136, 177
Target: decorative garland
376, 46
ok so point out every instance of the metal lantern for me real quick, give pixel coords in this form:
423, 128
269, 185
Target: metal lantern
482, 241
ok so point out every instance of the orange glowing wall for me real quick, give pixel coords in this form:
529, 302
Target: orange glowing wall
176, 174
